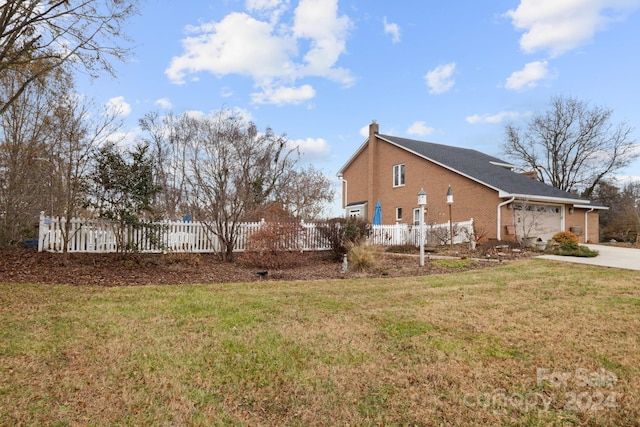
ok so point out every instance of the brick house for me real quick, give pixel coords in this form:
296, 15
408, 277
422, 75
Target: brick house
505, 205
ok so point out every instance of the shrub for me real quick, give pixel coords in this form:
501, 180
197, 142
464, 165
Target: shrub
343, 234
574, 249
563, 237
275, 246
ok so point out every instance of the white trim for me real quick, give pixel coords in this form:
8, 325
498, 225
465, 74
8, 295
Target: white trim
399, 209
542, 199
401, 170
603, 208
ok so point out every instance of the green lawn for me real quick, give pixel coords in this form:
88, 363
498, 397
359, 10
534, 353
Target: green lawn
530, 343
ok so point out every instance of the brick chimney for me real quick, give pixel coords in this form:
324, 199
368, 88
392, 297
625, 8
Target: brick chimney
371, 181
530, 174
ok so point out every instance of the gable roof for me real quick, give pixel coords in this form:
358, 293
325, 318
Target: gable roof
482, 168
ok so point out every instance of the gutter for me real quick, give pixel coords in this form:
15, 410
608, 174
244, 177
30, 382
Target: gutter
499, 234
345, 188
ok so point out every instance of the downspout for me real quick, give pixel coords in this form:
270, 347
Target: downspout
586, 224
345, 188
499, 234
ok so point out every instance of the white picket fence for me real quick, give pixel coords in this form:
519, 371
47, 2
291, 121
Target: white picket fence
96, 235
438, 234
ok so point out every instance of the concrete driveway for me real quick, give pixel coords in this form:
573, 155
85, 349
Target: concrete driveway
609, 256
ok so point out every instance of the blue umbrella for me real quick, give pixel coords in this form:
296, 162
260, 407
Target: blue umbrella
377, 214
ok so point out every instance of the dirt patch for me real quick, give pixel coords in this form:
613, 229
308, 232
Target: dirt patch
27, 266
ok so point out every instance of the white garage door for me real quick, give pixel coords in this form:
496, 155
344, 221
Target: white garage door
537, 220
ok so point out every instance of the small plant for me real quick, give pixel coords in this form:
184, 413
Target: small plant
563, 237
362, 257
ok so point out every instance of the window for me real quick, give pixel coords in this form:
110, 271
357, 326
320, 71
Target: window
398, 214
416, 216
398, 175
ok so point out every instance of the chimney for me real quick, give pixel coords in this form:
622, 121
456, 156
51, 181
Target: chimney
530, 174
371, 181
373, 128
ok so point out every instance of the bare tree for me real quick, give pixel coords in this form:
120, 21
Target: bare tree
573, 146
169, 138
624, 220
305, 192
631, 209
78, 128
38, 36
24, 166
234, 169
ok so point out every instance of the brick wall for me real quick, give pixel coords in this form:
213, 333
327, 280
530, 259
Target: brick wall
577, 219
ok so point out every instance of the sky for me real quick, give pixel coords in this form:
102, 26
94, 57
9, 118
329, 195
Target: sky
320, 71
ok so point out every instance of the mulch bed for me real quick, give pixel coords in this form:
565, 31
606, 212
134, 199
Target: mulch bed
28, 266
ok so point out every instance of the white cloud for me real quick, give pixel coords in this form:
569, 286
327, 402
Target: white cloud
264, 4
124, 140
118, 106
284, 95
496, 118
318, 21
420, 128
272, 53
164, 103
529, 76
622, 180
239, 44
558, 26
311, 147
195, 114
272, 8
440, 79
392, 29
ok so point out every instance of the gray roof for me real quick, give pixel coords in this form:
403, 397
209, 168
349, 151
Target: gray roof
485, 169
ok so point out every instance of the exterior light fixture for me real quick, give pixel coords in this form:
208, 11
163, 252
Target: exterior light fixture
422, 202
450, 202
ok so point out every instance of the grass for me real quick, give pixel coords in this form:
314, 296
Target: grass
455, 263
510, 345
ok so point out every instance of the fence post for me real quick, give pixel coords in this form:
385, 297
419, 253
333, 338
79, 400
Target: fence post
41, 232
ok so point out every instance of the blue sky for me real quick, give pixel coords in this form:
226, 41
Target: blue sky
451, 72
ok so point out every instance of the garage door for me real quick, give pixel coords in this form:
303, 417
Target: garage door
537, 220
